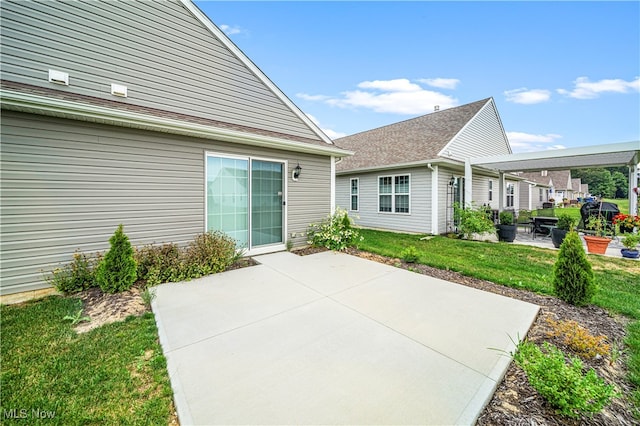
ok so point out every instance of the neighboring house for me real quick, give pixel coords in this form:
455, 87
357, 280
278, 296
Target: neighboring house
408, 175
145, 114
533, 194
558, 181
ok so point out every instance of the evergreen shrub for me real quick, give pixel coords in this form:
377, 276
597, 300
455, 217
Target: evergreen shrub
117, 271
573, 279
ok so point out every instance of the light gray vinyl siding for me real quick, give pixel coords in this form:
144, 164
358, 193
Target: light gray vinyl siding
480, 192
528, 196
165, 56
419, 218
482, 136
66, 185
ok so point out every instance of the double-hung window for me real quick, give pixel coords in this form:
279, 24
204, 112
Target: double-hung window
510, 194
355, 194
394, 195
490, 190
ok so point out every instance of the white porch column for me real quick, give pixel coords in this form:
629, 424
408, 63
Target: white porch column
434, 200
633, 183
468, 183
501, 192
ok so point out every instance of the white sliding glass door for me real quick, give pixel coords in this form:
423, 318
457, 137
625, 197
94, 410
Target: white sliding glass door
245, 199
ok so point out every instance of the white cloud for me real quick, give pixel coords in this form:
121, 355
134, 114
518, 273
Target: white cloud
397, 85
526, 96
442, 83
527, 142
398, 96
329, 132
229, 30
308, 97
585, 89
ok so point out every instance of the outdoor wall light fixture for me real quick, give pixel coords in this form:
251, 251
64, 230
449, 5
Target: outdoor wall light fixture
452, 181
295, 174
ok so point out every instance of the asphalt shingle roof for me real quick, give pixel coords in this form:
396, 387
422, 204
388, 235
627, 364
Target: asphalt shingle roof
416, 139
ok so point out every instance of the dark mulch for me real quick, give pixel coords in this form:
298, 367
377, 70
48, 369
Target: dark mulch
515, 401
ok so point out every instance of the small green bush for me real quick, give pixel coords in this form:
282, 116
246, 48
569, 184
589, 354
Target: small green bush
506, 218
76, 276
472, 220
335, 232
117, 271
410, 254
208, 253
573, 279
158, 264
566, 222
563, 385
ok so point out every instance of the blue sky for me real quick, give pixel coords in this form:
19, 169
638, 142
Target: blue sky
562, 74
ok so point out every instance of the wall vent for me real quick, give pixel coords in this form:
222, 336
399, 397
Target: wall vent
118, 90
58, 77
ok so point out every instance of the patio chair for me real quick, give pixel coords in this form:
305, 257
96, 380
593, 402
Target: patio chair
524, 220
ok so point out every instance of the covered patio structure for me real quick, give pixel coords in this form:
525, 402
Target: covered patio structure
608, 155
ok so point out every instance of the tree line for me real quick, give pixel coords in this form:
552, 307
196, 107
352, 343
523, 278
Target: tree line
610, 182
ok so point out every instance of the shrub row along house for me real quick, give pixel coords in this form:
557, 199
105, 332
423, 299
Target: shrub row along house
145, 114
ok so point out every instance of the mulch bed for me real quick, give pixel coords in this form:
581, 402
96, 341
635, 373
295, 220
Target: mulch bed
515, 401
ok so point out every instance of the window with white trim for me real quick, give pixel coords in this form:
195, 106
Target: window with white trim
355, 194
511, 190
540, 194
490, 190
394, 195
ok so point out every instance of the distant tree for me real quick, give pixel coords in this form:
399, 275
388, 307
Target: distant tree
622, 184
599, 180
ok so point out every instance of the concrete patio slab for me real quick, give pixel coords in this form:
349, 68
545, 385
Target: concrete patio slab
333, 339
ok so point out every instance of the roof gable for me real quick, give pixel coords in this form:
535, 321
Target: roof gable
482, 135
417, 139
168, 54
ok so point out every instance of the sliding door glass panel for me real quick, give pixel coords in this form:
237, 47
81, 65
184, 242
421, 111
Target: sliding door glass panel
228, 197
266, 202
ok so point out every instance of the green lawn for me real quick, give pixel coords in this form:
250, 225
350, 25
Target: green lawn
115, 374
527, 268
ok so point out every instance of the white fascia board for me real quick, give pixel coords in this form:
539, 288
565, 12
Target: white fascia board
204, 19
435, 161
555, 153
76, 110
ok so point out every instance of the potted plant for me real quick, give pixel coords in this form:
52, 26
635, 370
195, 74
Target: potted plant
626, 222
630, 242
565, 224
598, 242
506, 228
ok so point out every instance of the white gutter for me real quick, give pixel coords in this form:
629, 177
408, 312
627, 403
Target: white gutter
76, 110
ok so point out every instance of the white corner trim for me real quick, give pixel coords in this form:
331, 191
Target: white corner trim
204, 19
434, 200
71, 109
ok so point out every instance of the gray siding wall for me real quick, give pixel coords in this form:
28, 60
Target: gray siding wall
419, 218
66, 185
482, 136
527, 193
158, 49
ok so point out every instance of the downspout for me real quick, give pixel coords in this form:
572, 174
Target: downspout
333, 185
434, 198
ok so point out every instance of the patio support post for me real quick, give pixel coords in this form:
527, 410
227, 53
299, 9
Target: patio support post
434, 199
633, 183
501, 192
468, 183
